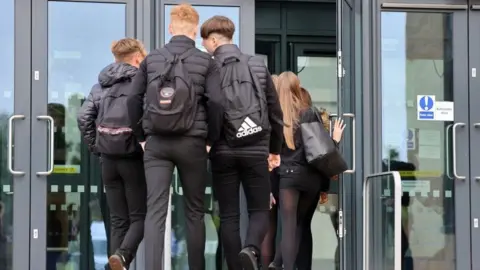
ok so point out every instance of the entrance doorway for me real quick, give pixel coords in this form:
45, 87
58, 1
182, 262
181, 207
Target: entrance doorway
430, 129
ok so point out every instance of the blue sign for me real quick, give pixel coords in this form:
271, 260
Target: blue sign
426, 107
411, 139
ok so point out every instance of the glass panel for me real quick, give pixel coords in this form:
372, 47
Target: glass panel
317, 75
213, 253
77, 50
417, 63
205, 13
6, 110
381, 222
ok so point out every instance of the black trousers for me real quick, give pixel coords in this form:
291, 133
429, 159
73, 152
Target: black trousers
252, 173
162, 155
125, 187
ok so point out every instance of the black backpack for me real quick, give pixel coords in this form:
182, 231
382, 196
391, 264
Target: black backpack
114, 127
246, 110
171, 101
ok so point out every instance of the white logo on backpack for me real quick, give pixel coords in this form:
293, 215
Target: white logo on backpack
248, 127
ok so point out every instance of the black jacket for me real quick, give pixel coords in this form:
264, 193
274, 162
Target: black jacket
87, 115
271, 144
205, 76
295, 163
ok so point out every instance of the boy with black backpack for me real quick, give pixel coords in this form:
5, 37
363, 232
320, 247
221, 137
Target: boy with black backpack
178, 87
107, 128
252, 129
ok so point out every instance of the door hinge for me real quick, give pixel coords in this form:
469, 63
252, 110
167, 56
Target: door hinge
475, 222
340, 69
341, 231
36, 75
35, 233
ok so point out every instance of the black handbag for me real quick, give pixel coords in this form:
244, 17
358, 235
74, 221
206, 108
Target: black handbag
321, 151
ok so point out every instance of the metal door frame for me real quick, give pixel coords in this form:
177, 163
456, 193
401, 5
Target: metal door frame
461, 100
41, 147
474, 126
19, 131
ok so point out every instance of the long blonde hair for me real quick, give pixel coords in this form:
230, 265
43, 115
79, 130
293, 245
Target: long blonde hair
293, 101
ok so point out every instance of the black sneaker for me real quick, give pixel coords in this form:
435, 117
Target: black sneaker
117, 262
248, 259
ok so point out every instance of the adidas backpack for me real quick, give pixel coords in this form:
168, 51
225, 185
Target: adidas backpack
114, 133
246, 111
171, 101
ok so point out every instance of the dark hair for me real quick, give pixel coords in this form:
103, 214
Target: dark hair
219, 25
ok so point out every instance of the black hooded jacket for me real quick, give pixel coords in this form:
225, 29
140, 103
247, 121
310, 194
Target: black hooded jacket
112, 74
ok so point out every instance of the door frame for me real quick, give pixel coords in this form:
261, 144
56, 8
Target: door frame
21, 134
463, 255
40, 145
474, 113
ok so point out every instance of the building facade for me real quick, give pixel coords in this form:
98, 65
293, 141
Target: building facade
396, 71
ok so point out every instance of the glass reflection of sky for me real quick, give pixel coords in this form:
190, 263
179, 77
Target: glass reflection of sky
6, 54
207, 12
79, 39
394, 114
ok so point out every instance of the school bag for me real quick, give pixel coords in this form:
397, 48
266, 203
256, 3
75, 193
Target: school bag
171, 102
246, 113
114, 127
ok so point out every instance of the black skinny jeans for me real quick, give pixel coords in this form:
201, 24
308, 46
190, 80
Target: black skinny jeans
228, 173
124, 181
189, 155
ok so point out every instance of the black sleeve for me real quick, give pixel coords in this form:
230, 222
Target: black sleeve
215, 103
86, 117
276, 116
136, 100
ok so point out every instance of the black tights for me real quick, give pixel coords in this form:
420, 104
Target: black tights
268, 244
294, 207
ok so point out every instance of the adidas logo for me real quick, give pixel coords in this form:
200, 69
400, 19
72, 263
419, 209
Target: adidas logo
248, 127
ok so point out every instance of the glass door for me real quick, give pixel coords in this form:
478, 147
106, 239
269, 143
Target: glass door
424, 76
244, 37
315, 64
69, 218
15, 141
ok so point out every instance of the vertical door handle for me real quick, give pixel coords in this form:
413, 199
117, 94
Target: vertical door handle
51, 147
454, 148
354, 137
354, 142
447, 151
477, 125
10, 144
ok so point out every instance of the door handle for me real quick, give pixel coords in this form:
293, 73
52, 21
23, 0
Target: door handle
447, 151
354, 137
354, 142
10, 144
477, 125
454, 148
51, 147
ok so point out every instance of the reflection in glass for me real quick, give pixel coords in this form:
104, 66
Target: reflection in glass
381, 214
6, 110
79, 39
213, 250
317, 75
206, 12
417, 61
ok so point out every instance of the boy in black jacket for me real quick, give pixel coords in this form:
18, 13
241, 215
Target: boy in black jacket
247, 164
123, 176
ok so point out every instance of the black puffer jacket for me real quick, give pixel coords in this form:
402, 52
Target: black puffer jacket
270, 144
202, 71
112, 74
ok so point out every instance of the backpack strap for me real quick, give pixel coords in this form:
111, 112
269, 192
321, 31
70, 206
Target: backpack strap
169, 61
